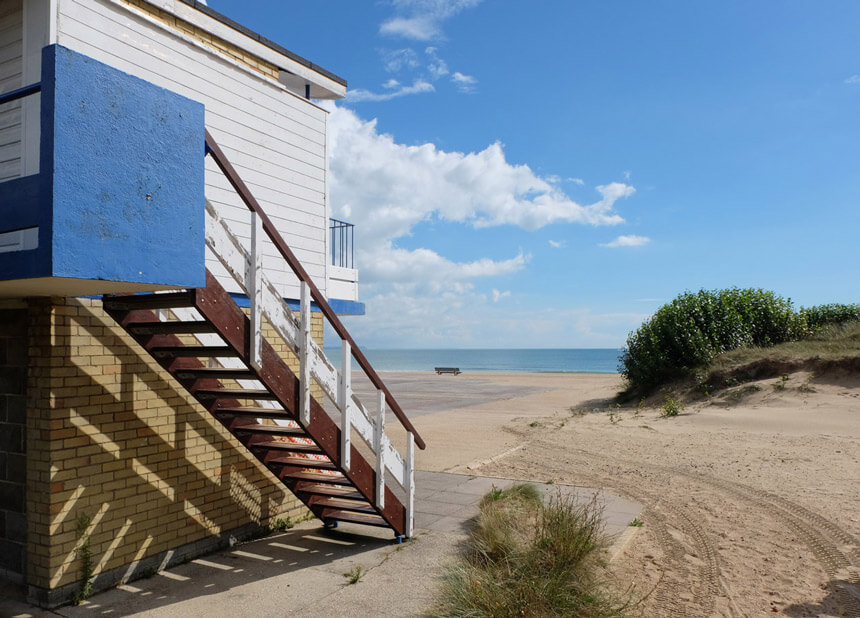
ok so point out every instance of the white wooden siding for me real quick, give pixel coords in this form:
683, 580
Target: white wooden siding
11, 48
275, 140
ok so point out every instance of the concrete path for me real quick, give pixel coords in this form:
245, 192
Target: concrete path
303, 571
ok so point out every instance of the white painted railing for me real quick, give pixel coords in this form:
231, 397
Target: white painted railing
245, 266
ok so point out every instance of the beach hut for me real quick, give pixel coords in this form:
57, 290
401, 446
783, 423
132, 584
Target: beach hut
167, 264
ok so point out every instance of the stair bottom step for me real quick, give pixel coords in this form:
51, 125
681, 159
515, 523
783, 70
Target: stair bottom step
353, 506
356, 518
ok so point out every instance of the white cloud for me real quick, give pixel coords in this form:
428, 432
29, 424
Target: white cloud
422, 27
437, 67
465, 83
576, 181
387, 188
628, 241
390, 187
427, 270
497, 296
397, 90
399, 59
557, 244
854, 79
422, 19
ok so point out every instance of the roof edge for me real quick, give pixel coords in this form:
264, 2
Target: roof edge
262, 40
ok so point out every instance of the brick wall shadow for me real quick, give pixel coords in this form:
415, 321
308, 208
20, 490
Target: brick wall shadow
132, 452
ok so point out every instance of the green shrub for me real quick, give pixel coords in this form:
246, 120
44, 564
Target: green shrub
825, 315
695, 327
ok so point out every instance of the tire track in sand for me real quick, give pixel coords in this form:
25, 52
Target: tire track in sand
837, 551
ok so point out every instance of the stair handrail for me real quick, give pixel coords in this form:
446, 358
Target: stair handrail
220, 159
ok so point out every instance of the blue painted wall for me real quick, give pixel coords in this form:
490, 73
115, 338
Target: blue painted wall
120, 194
126, 162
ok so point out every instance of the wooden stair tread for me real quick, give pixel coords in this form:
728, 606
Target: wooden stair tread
328, 490
277, 445
301, 462
171, 328
194, 351
226, 373
255, 412
236, 393
167, 300
316, 477
279, 430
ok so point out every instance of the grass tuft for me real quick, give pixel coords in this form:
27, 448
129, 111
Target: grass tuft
530, 557
354, 575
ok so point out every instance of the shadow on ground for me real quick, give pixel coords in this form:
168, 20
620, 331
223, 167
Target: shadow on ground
313, 557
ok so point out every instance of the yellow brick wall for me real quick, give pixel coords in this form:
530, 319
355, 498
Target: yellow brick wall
113, 438
207, 39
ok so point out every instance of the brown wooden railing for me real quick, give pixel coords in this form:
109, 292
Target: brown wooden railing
241, 188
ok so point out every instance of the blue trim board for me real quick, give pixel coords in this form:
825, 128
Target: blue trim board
340, 306
22, 206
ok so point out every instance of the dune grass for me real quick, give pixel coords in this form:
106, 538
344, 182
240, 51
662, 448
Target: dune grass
834, 349
527, 557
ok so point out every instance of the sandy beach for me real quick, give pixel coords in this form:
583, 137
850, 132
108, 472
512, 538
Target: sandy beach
752, 504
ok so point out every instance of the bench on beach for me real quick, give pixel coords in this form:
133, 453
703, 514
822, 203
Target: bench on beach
452, 370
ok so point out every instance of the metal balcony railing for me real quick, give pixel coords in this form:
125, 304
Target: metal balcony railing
341, 241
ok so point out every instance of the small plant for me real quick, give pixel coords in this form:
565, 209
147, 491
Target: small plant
636, 523
574, 411
534, 424
495, 493
283, 524
354, 575
807, 387
780, 385
85, 557
671, 406
737, 394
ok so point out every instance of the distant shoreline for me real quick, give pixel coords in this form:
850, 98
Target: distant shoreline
496, 360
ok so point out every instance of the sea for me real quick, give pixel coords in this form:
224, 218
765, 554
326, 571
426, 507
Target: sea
573, 360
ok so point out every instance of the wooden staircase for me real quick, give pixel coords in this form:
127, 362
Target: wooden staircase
218, 354
305, 458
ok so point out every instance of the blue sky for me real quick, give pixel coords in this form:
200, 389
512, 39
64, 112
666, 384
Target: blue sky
547, 174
